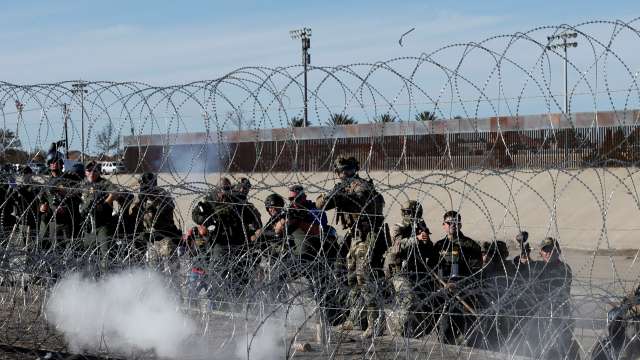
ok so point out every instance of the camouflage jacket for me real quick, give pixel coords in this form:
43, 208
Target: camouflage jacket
154, 211
230, 223
63, 198
93, 201
357, 202
408, 255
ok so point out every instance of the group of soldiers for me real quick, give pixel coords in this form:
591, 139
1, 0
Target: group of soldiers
470, 293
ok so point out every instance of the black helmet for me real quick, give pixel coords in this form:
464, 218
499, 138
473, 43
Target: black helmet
274, 200
345, 164
412, 208
148, 180
94, 166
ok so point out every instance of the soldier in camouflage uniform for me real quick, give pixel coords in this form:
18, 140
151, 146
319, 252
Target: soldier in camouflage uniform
25, 198
459, 257
231, 228
97, 208
154, 209
408, 264
7, 186
59, 208
274, 247
359, 207
249, 214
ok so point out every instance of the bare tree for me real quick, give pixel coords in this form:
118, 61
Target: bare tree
106, 140
8, 139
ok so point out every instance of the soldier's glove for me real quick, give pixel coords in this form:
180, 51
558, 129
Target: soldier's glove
321, 201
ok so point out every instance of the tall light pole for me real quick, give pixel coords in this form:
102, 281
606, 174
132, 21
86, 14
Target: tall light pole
19, 109
563, 37
305, 35
65, 112
79, 89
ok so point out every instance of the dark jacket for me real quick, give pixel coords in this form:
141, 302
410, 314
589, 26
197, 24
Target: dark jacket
463, 251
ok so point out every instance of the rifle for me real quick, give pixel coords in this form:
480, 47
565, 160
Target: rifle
457, 297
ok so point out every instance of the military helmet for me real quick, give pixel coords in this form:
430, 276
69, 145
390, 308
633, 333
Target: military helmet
549, 244
93, 166
148, 180
245, 183
412, 208
346, 163
274, 200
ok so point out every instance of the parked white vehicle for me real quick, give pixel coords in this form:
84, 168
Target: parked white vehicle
113, 167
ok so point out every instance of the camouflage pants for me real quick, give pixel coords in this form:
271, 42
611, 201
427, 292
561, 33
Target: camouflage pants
365, 294
412, 313
404, 303
161, 257
98, 245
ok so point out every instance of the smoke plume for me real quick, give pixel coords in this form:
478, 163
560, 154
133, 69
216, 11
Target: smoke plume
127, 312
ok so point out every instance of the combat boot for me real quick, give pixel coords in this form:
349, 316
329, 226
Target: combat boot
375, 324
345, 326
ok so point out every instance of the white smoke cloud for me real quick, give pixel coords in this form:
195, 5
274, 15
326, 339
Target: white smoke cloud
125, 312
135, 311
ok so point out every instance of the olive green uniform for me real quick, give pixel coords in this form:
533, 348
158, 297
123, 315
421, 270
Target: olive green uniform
99, 226
60, 225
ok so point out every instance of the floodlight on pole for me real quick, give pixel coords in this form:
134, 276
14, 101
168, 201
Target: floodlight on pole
79, 89
563, 37
305, 35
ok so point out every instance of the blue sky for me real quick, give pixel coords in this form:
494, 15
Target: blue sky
165, 42
177, 42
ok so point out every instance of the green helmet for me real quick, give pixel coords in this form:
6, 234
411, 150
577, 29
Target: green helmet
344, 164
412, 209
